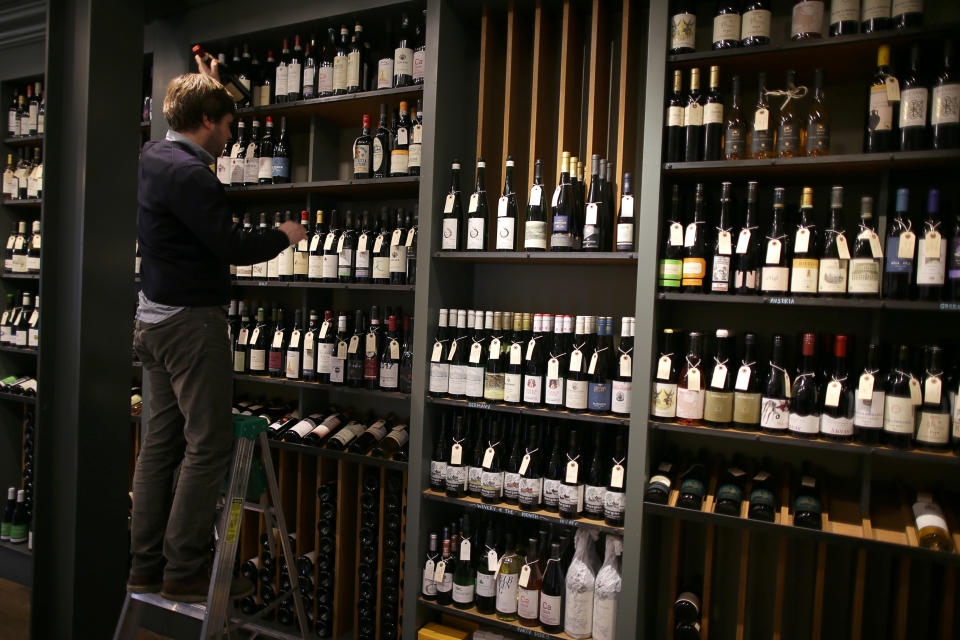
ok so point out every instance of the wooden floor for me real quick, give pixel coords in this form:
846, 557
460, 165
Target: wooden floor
15, 613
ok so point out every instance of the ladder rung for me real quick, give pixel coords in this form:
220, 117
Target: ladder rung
259, 508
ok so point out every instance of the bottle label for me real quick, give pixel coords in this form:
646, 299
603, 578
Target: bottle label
756, 24
946, 104
280, 80
361, 159
486, 584
734, 140
718, 406
683, 31
403, 62
620, 398
720, 277
450, 234
576, 395
913, 107
385, 73
664, 400
473, 386
804, 424
353, 69
458, 380
512, 387
535, 235
462, 593
693, 271
570, 497
493, 386
398, 259
929, 515
762, 138
505, 232
530, 491
614, 503
492, 485
578, 613
775, 414
598, 396
528, 606
836, 426
475, 480
869, 413
746, 408
551, 492
788, 138
818, 136
438, 473
896, 264
456, 478
439, 377
880, 117
476, 233
873, 9
258, 360
901, 7
593, 501
281, 168
807, 18
511, 485
533, 389
933, 428
690, 404
713, 113
804, 276
864, 276
389, 375
833, 276
399, 161
415, 156
675, 116
774, 279
419, 64
671, 273
550, 609
339, 73
898, 414
844, 11
507, 586
726, 26
930, 270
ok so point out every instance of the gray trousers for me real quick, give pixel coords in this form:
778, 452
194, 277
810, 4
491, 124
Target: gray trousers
189, 389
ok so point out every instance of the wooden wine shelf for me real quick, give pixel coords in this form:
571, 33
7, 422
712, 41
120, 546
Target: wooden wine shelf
14, 397
20, 141
346, 110
468, 502
800, 301
528, 411
405, 186
322, 386
27, 203
887, 528
491, 620
306, 284
916, 455
845, 163
540, 257
321, 452
22, 350
20, 276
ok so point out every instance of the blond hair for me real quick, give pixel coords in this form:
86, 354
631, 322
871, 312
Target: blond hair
192, 96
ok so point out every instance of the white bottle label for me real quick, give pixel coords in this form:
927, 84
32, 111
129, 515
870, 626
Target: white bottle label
807, 18
450, 234
844, 11
403, 62
486, 584
713, 113
873, 9
804, 424
476, 232
756, 24
473, 385
528, 603
690, 404
512, 387
933, 428
620, 397
869, 413
946, 104
833, 276
836, 426
462, 593
578, 614
576, 395
533, 389
864, 276
683, 31
535, 236
898, 414
930, 270
550, 608
505, 227
675, 116
913, 107
726, 26
880, 116
439, 377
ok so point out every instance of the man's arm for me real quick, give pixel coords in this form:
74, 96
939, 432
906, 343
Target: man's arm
198, 202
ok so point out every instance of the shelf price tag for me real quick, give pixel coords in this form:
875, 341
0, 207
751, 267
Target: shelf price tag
663, 368
676, 234
931, 390
906, 245
743, 241
843, 249
743, 378
931, 245
832, 397
773, 251
719, 376
724, 243
865, 389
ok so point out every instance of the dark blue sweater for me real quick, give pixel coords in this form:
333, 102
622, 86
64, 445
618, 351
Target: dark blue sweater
186, 232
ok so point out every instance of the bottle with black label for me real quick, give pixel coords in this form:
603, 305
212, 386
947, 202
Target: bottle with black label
760, 138
735, 127
789, 126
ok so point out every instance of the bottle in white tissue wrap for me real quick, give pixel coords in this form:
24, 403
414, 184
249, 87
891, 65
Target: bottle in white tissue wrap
607, 590
581, 577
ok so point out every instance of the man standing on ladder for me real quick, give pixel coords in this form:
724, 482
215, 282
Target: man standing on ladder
188, 242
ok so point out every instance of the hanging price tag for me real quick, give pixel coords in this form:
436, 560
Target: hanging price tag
591, 214
786, 382
593, 363
465, 550
832, 397
394, 350
241, 337
576, 360
340, 244
429, 569
378, 244
743, 241
626, 206
495, 349
893, 89
616, 476
354, 344
663, 368
502, 206
411, 234
676, 234
536, 193
724, 243
362, 243
693, 379
488, 457
474, 202
524, 575
294, 339
277, 339
553, 369
915, 395
456, 453
370, 344
691, 235
448, 203
308, 340
453, 350
475, 352
492, 561
524, 464
439, 571
572, 468
743, 378
328, 241
906, 246
801, 241
865, 389
773, 251
556, 196
530, 347
437, 352
931, 390
931, 245
324, 328
719, 376
341, 350
516, 353
876, 249
314, 243
843, 249
761, 119
396, 237
626, 366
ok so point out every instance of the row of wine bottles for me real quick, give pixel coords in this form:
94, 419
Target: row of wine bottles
20, 325
17, 512
365, 248
363, 434
391, 584
747, 24
533, 360
890, 401
503, 459
378, 355
23, 180
23, 251
708, 255
345, 63
576, 220
27, 113
393, 152
690, 477
19, 385
543, 581
257, 160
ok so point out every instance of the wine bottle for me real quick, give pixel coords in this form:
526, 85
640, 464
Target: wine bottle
945, 116
507, 580
576, 380
529, 471
229, 77
347, 249
901, 250
439, 459
553, 475
323, 429
380, 257
373, 341
664, 404
477, 213
866, 261
445, 570
406, 357
788, 124
839, 402
535, 226
439, 365
933, 423
747, 398
622, 384
552, 591
690, 390
293, 356
693, 124
747, 254
625, 220
400, 143
492, 476
592, 216
20, 520
695, 247
494, 360
614, 497
397, 261
807, 508
835, 256
683, 27
280, 170
380, 151
726, 25
455, 482
899, 404
563, 208
238, 154
869, 399
534, 360
952, 287
914, 99
763, 500
931, 252
595, 475
403, 55
258, 345
363, 151
464, 575
875, 16
807, 20
932, 531
507, 212
760, 137
671, 261
278, 345
755, 24
734, 129
818, 120
718, 400
713, 121
599, 389
844, 17
241, 342
390, 357
513, 353
457, 356
486, 574
721, 267
512, 462
556, 359
675, 132
805, 393
884, 99
476, 360
420, 52
775, 272
693, 487
528, 587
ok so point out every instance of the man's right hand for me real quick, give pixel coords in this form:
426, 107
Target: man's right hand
294, 230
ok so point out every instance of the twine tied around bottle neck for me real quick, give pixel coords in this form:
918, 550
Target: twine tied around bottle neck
795, 93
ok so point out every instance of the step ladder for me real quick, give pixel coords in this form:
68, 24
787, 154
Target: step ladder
217, 622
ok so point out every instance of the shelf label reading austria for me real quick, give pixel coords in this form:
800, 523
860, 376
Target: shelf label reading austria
781, 301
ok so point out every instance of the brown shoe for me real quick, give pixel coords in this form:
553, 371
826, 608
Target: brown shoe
195, 589
149, 583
